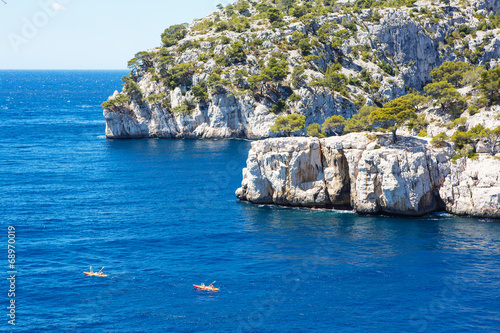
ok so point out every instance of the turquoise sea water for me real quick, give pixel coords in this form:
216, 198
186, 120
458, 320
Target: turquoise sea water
161, 215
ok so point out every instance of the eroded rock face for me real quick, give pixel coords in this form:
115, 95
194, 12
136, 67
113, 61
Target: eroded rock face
287, 171
407, 41
394, 180
337, 180
225, 116
473, 187
409, 177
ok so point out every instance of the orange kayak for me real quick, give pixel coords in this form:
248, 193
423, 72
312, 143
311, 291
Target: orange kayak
203, 287
94, 274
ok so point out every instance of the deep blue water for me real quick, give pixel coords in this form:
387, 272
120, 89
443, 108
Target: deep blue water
161, 215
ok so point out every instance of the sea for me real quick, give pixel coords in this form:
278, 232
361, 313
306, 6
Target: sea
161, 215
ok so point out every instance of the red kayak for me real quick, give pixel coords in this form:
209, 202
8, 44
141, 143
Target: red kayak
203, 287
95, 274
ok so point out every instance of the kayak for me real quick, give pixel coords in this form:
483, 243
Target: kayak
94, 274
205, 287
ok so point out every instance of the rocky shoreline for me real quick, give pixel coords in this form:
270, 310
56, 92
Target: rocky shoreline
371, 174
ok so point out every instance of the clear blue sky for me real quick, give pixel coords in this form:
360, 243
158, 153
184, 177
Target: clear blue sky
91, 34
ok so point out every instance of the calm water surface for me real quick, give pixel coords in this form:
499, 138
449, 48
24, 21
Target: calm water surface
161, 215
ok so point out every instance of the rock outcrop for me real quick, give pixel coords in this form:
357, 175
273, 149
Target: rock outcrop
473, 188
225, 116
371, 174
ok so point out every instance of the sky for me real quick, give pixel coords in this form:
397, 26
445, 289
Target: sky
91, 34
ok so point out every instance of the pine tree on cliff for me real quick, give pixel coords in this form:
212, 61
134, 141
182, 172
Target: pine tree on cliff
392, 115
289, 124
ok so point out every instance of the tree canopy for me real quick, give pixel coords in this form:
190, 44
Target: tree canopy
333, 124
450, 99
489, 85
141, 59
237, 52
200, 92
180, 75
315, 130
289, 124
450, 71
359, 122
416, 99
173, 34
276, 69
393, 114
274, 15
333, 79
217, 84
256, 80
131, 88
440, 140
467, 141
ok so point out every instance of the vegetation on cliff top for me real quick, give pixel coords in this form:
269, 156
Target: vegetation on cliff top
277, 51
442, 92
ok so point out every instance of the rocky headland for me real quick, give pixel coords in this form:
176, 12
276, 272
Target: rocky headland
371, 174
234, 72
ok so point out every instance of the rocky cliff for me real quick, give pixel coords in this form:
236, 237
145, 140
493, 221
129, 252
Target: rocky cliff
371, 174
225, 116
234, 72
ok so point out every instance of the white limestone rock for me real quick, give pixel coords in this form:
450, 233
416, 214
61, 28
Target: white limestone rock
473, 187
394, 180
408, 42
224, 116
285, 171
409, 177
